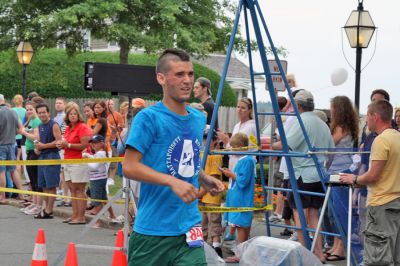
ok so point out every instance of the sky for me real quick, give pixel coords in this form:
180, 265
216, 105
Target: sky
311, 31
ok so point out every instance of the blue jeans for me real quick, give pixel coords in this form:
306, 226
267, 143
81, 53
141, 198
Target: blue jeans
7, 153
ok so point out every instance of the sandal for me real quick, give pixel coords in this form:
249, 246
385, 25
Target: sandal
334, 257
44, 215
76, 222
67, 220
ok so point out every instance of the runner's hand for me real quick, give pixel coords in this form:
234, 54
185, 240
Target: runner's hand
211, 184
184, 190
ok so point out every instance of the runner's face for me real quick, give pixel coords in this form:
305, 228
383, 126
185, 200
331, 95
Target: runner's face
44, 116
178, 81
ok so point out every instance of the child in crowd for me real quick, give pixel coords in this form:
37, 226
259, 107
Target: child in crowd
211, 222
241, 190
98, 176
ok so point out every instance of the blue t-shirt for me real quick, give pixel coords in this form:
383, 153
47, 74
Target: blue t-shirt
170, 144
241, 191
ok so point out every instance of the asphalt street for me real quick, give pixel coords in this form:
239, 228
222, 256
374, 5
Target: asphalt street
18, 233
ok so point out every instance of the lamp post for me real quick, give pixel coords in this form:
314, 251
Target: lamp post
25, 54
359, 30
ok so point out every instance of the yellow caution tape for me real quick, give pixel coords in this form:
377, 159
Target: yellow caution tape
233, 209
63, 161
28, 192
238, 149
201, 208
253, 139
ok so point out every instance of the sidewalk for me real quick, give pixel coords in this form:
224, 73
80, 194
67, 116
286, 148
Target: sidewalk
65, 212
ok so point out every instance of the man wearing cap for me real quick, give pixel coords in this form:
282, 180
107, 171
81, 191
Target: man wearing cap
202, 92
305, 171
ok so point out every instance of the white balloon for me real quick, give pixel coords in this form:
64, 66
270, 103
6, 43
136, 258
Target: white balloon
338, 76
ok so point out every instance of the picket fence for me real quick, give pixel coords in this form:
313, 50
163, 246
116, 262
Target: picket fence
227, 117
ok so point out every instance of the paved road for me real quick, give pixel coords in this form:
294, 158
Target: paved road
18, 234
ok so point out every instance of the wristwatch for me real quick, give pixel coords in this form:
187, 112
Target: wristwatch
355, 180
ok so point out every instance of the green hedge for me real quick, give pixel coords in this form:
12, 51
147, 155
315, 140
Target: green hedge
52, 73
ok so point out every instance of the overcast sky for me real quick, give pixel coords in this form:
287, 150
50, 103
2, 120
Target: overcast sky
311, 31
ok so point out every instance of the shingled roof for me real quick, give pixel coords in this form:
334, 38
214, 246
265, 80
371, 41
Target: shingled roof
237, 69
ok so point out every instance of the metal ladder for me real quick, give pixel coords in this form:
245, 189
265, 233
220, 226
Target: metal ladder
251, 10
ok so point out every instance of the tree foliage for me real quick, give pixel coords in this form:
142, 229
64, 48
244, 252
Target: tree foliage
198, 26
52, 73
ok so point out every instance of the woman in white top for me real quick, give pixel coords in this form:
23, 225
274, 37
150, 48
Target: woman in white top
246, 125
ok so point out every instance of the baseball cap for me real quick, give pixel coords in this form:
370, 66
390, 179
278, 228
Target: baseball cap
304, 96
138, 103
96, 138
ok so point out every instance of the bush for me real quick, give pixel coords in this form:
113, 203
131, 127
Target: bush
52, 73
266, 169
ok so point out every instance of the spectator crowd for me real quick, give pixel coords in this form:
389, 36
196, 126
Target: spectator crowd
98, 130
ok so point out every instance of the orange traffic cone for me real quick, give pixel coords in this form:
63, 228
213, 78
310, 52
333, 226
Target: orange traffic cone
72, 259
39, 256
119, 258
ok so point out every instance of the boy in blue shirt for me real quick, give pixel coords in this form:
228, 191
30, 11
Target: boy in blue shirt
241, 191
163, 152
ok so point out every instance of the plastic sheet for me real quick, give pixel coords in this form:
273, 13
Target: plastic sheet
268, 251
212, 257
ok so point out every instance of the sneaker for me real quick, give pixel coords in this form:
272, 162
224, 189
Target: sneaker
275, 218
121, 218
286, 232
219, 251
117, 220
33, 211
110, 182
293, 237
27, 208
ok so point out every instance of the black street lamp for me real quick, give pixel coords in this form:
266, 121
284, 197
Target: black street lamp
359, 30
25, 54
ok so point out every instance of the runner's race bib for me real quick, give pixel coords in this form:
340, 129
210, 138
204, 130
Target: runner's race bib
194, 238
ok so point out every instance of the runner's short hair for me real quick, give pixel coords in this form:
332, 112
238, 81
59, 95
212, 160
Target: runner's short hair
171, 54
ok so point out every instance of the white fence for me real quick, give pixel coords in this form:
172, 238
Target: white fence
227, 117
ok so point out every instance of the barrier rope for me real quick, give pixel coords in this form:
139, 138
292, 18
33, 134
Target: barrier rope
61, 161
201, 208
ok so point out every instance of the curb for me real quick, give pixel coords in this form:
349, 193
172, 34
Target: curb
63, 212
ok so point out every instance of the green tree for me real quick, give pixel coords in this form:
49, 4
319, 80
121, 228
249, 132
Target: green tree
198, 26
54, 74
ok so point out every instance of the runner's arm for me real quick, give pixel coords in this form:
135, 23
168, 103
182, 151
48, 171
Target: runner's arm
134, 169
